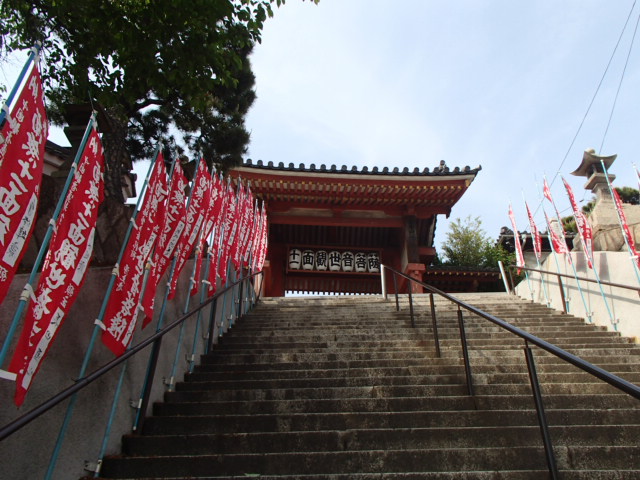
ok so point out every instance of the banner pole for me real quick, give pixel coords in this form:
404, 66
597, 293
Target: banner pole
116, 394
147, 383
186, 305
534, 231
213, 313
224, 303
28, 288
203, 287
33, 55
97, 329
112, 414
587, 250
573, 267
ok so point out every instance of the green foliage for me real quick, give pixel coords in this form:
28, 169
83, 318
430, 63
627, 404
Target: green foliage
468, 245
569, 224
150, 64
627, 195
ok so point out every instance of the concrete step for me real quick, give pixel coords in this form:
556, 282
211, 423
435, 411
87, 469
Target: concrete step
375, 439
177, 404
341, 421
543, 360
475, 475
343, 388
385, 391
372, 461
546, 379
203, 374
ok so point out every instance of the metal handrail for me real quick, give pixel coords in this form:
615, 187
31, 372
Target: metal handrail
83, 382
582, 279
602, 374
528, 338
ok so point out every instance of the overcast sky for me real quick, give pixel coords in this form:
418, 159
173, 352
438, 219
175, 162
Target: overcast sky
501, 84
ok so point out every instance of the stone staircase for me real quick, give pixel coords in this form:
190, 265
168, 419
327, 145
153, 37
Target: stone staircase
344, 388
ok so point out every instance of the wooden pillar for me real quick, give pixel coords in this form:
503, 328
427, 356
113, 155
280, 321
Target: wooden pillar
410, 248
275, 284
411, 265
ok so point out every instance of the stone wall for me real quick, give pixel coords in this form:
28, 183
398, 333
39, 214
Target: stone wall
113, 221
27, 452
585, 299
607, 234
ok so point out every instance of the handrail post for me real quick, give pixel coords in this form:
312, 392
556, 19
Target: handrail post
512, 282
240, 293
542, 418
564, 301
395, 289
465, 353
212, 325
148, 385
434, 322
413, 323
383, 282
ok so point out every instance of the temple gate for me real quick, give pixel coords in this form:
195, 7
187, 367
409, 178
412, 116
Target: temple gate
330, 228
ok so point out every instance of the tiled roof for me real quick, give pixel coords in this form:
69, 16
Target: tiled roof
440, 170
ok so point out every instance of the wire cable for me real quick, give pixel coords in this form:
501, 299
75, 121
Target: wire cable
615, 100
593, 98
594, 95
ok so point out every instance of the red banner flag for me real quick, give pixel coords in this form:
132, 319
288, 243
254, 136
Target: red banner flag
172, 229
195, 218
264, 240
625, 226
222, 199
64, 267
207, 227
261, 249
24, 135
546, 191
212, 223
247, 241
257, 237
535, 234
264, 245
238, 229
122, 310
516, 240
584, 229
229, 229
556, 238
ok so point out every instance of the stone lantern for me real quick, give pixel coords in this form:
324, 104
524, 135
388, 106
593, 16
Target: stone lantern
607, 235
591, 168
